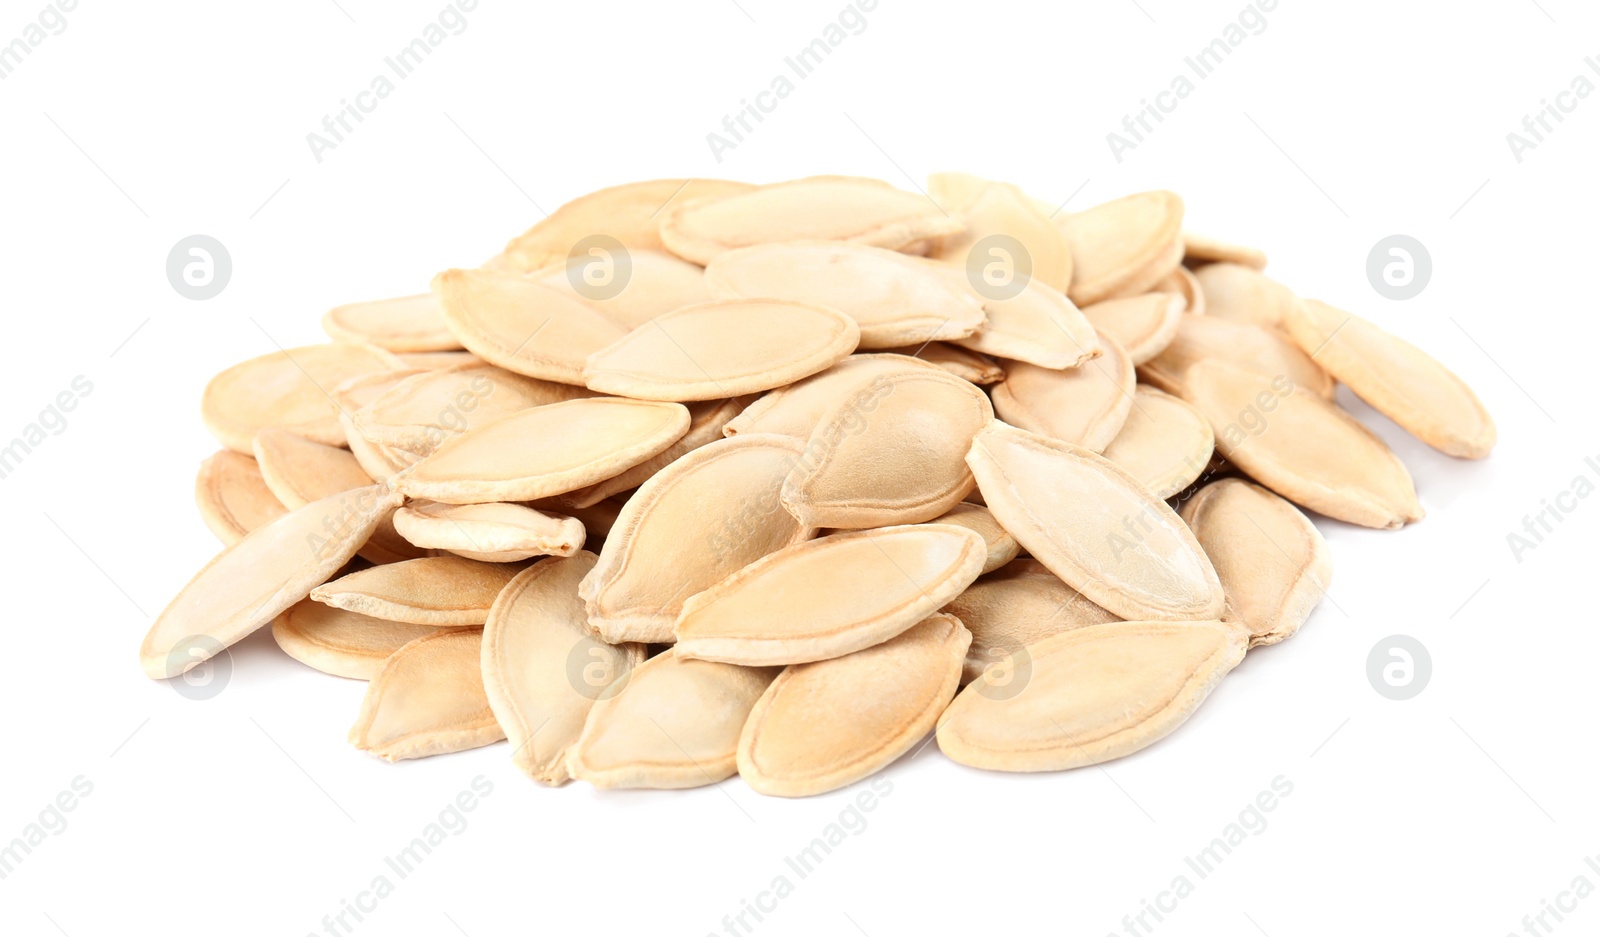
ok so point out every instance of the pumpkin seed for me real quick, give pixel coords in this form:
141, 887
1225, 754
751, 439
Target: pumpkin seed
1182, 282
428, 700
1266, 351
1003, 548
403, 324
434, 360
345, 644
1038, 325
419, 413
1242, 294
1019, 604
597, 518
1165, 444
232, 496
523, 325
796, 410
433, 590
657, 282
1121, 244
1000, 209
967, 365
489, 533
706, 422
1086, 406
286, 389
299, 470
1143, 325
1205, 250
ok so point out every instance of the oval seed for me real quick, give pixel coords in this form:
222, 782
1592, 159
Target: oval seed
541, 670
1398, 379
250, 583
1021, 603
1143, 325
1303, 447
489, 533
657, 282
1274, 565
1242, 294
697, 521
706, 422
822, 208
419, 413
403, 324
1093, 694
523, 325
286, 389
967, 365
671, 722
894, 299
827, 724
1038, 325
1094, 526
1165, 444
1086, 406
546, 451
1207, 338
894, 452
831, 596
795, 410
428, 700
722, 349
433, 590
997, 208
1206, 250
345, 644
232, 496
1182, 282
1003, 548
434, 360
1118, 244
299, 470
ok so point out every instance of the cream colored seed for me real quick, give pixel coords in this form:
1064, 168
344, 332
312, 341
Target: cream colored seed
1003, 548
967, 365
233, 497
1038, 325
299, 470
707, 419
796, 409
1165, 444
339, 642
1086, 406
422, 412
656, 282
1183, 282
286, 389
490, 533
428, 700
1239, 293
1263, 350
523, 325
434, 360
1142, 325
433, 590
1123, 247
403, 324
1000, 209
1021, 603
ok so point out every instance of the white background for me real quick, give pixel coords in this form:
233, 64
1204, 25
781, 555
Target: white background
1456, 812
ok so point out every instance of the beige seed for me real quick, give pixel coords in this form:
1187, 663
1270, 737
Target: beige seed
1183, 282
355, 393
1243, 294
1003, 548
421, 412
299, 470
1274, 565
827, 724
1093, 694
1038, 325
1019, 604
669, 723
1094, 526
831, 596
523, 325
428, 700
796, 410
822, 208
541, 670
403, 324
1399, 380
1143, 325
232, 496
433, 590
252, 582
1165, 445
722, 349
490, 533
345, 644
1204, 250
894, 452
1266, 351
965, 364
1303, 447
1121, 244
597, 518
1086, 406
706, 422
434, 360
697, 521
894, 299
546, 451
286, 389
997, 208
656, 282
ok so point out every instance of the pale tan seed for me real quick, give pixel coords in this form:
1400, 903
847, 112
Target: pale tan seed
597, 518
707, 419
433, 590
1086, 406
232, 496
1117, 245
823, 208
998, 208
1094, 694
1266, 351
1274, 565
827, 724
1303, 447
1399, 380
433, 360
299, 470
1094, 526
250, 583
671, 722
1204, 250
421, 412
1184, 283
286, 389
428, 700
523, 325
656, 282
546, 451
894, 452
1243, 294
351, 396
1038, 325
490, 533
1165, 444
345, 644
796, 409
691, 525
831, 596
1003, 548
894, 299
965, 364
1143, 325
542, 671
1019, 604
722, 349
409, 324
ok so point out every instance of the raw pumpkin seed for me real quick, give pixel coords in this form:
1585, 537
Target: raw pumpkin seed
1037, 324
1142, 325
1122, 244
490, 533
1164, 445
288, 389
428, 700
232, 496
1265, 351
1239, 293
967, 365
299, 470
657, 282
433, 590
403, 324
706, 422
523, 325
1019, 604
343, 643
1000, 209
1003, 548
795, 410
1085, 406
421, 412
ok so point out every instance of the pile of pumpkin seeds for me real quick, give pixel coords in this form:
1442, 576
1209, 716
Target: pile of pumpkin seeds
698, 478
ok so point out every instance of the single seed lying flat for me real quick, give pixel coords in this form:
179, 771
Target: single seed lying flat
252, 582
722, 349
795, 410
342, 643
694, 523
1303, 447
403, 324
1143, 325
1239, 293
1001, 209
1398, 379
1265, 351
428, 700
1204, 250
1086, 406
1003, 548
433, 590
1165, 444
541, 670
1274, 565
300, 470
1038, 325
706, 422
1094, 526
286, 389
671, 722
831, 596
1116, 244
965, 364
523, 325
1093, 694
653, 282
1019, 604
546, 451
421, 412
232, 496
827, 724
490, 533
